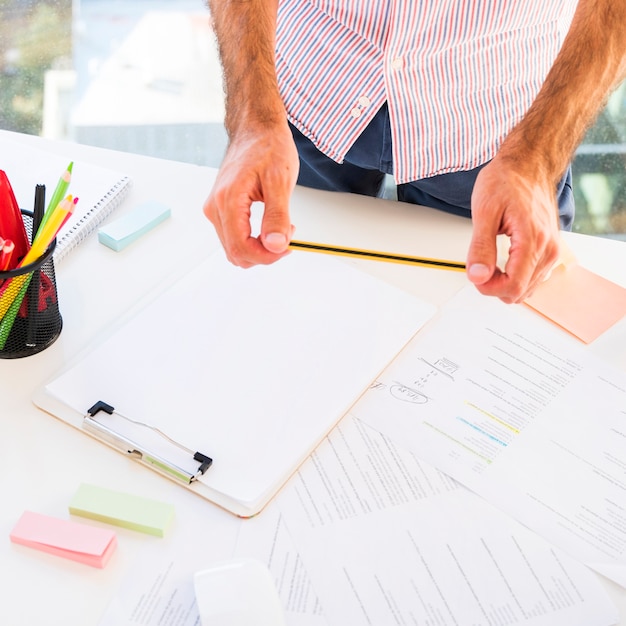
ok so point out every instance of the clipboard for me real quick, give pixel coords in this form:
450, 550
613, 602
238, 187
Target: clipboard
248, 368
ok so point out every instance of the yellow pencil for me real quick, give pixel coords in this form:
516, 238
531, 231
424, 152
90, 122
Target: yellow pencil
48, 231
13, 287
378, 256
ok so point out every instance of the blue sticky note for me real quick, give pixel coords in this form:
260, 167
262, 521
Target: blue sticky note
128, 228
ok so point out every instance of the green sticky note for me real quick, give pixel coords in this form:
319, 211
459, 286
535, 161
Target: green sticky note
122, 509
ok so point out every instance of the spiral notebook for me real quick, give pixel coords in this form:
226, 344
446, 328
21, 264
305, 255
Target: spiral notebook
100, 190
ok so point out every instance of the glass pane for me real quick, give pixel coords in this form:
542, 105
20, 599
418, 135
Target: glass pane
138, 76
144, 77
148, 79
600, 172
34, 37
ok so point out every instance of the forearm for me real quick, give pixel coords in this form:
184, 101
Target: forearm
246, 31
591, 63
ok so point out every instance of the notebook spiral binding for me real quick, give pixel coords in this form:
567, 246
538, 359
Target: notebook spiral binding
90, 221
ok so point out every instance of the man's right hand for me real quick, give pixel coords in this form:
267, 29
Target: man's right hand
259, 165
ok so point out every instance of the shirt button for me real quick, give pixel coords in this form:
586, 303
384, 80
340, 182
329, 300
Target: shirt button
364, 101
356, 112
397, 63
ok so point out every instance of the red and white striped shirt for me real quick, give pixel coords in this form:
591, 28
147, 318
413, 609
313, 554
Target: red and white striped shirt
457, 74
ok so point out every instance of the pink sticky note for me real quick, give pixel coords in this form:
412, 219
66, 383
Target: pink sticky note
581, 302
78, 542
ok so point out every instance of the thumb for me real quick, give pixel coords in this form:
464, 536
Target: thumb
276, 227
482, 255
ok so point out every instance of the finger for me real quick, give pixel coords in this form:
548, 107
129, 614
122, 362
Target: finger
276, 227
230, 216
524, 271
512, 283
542, 271
230, 213
240, 246
482, 252
211, 212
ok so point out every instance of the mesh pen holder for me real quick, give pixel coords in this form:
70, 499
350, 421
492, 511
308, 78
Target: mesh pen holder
30, 320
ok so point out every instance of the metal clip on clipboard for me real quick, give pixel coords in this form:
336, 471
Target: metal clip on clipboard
128, 445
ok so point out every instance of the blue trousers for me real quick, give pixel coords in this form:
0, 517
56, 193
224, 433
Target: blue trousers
364, 168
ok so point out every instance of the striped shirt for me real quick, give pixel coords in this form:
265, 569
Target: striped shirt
457, 74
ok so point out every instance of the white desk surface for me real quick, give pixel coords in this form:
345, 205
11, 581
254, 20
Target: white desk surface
42, 460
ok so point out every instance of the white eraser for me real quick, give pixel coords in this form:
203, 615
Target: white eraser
123, 231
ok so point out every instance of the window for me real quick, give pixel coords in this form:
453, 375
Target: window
138, 76
34, 37
144, 77
600, 173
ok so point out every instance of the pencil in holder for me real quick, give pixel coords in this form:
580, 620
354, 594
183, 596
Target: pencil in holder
30, 319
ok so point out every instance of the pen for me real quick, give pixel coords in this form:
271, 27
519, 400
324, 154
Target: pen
47, 232
11, 222
38, 209
3, 265
35, 282
378, 256
5, 254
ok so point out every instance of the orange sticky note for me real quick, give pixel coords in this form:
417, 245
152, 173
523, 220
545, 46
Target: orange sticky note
581, 302
71, 540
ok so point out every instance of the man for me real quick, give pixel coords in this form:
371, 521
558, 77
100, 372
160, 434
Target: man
470, 104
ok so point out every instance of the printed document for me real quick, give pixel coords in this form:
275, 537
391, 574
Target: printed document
380, 537
522, 414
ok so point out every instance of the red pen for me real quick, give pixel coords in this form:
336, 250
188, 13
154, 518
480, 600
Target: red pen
11, 222
6, 252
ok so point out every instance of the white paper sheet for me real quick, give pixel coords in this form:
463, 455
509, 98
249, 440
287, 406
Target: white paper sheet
387, 539
451, 560
158, 591
158, 588
522, 414
267, 538
250, 367
355, 472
